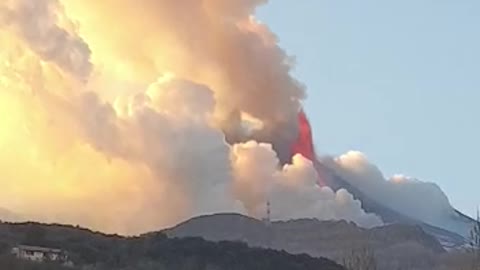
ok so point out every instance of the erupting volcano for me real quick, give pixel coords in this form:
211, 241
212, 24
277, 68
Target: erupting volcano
329, 176
119, 116
200, 129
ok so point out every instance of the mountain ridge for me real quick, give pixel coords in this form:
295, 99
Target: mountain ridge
311, 236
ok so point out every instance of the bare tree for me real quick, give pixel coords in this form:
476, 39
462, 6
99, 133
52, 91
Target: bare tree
360, 259
474, 245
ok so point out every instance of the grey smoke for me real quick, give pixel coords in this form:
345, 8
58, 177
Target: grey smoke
36, 22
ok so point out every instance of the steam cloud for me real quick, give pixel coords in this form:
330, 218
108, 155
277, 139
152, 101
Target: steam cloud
131, 116
413, 198
293, 190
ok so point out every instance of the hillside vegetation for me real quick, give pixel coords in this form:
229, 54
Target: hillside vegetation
96, 251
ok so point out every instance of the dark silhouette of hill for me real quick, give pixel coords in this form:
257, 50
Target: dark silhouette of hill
150, 251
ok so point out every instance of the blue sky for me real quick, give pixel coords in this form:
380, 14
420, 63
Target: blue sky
397, 80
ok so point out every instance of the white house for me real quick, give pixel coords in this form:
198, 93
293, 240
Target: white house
40, 254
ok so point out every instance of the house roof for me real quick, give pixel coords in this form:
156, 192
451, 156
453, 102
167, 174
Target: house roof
39, 249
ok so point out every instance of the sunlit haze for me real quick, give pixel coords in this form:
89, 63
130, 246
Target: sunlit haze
194, 106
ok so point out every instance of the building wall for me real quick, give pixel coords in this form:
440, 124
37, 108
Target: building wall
37, 256
33, 256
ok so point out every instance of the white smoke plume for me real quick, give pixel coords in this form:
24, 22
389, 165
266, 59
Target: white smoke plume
413, 198
129, 116
292, 190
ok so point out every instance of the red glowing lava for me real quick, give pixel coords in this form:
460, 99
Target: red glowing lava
304, 145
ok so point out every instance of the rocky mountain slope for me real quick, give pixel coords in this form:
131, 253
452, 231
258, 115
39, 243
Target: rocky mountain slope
329, 239
448, 238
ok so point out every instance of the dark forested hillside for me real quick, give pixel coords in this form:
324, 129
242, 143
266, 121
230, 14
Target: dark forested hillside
153, 251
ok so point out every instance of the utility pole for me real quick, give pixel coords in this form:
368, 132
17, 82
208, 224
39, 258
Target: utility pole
267, 221
267, 218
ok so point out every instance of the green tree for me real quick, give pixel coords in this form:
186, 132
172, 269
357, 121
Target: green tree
35, 236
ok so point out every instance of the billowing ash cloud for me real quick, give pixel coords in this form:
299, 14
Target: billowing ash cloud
214, 42
413, 198
36, 22
174, 109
